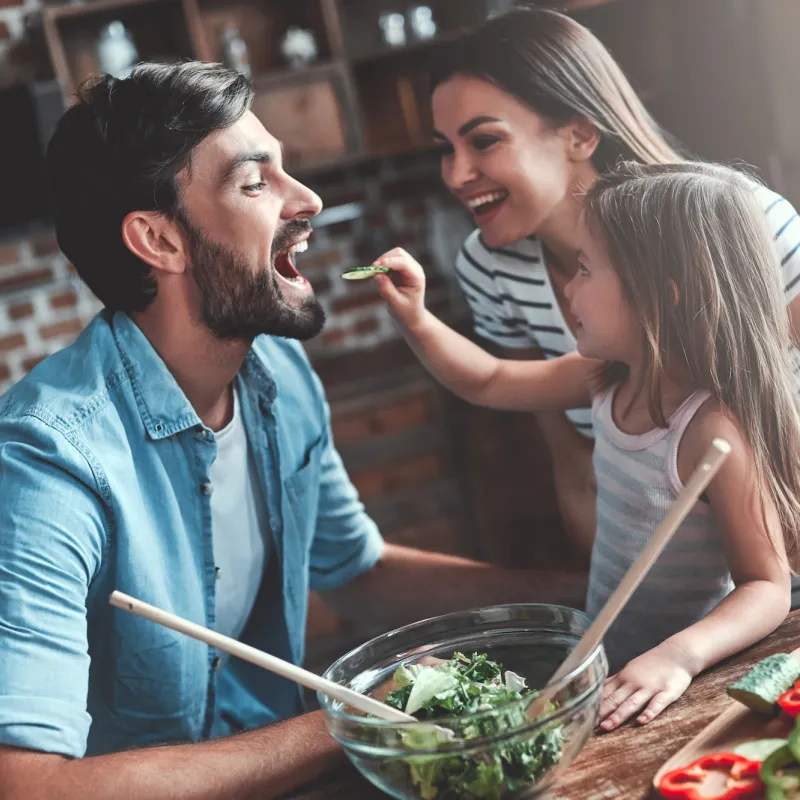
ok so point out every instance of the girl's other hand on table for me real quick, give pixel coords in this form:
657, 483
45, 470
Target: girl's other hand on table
645, 686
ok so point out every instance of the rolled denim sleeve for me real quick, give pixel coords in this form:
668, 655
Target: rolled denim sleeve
51, 534
346, 541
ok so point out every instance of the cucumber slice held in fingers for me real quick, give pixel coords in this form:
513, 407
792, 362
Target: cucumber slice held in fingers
362, 273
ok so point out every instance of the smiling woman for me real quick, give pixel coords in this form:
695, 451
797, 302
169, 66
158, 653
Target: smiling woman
529, 109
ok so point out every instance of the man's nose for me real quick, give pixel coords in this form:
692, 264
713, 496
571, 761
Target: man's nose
301, 201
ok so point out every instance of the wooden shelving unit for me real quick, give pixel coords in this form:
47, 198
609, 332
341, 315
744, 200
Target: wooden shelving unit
359, 99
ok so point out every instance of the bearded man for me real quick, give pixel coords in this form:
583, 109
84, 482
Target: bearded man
180, 451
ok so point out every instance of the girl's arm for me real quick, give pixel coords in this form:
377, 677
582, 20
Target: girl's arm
760, 571
465, 368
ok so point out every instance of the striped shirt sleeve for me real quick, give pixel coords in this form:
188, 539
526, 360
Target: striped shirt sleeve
491, 318
784, 224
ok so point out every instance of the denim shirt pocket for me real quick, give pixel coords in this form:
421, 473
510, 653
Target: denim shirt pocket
301, 489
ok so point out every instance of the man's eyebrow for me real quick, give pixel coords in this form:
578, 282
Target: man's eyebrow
254, 156
474, 122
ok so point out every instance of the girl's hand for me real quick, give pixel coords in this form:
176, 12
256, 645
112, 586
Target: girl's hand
403, 288
651, 682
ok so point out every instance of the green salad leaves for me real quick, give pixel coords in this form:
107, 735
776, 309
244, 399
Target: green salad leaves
462, 687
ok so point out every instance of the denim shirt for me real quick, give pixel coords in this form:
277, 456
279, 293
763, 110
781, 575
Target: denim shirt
104, 485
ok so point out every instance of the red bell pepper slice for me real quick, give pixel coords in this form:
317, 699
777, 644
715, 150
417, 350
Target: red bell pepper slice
687, 783
789, 701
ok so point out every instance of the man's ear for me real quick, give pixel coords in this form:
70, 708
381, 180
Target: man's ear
583, 138
156, 239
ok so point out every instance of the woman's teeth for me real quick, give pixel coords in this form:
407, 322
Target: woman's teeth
482, 202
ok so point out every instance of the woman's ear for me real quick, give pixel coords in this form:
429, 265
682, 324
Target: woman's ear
584, 138
155, 238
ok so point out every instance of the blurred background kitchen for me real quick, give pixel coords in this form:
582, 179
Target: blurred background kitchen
344, 84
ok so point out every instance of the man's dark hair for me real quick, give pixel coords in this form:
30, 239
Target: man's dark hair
119, 149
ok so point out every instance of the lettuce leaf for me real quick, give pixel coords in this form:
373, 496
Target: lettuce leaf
465, 686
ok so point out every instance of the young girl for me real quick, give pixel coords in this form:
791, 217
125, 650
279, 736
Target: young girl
682, 337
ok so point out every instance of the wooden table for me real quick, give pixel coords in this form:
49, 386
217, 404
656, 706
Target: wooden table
619, 764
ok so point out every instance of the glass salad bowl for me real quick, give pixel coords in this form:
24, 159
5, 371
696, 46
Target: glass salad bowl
486, 751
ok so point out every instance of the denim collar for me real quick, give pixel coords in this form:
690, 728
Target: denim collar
164, 408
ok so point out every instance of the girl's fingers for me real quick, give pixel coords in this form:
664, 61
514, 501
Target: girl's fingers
616, 699
658, 703
627, 709
610, 685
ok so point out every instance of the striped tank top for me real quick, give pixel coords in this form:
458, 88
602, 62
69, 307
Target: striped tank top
637, 481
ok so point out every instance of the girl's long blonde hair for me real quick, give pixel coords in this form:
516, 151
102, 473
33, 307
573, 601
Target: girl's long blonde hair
691, 245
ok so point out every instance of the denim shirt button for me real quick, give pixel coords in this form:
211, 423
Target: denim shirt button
215, 663
217, 573
207, 489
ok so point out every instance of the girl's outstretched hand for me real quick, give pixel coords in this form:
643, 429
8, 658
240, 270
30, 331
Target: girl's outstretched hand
403, 289
645, 686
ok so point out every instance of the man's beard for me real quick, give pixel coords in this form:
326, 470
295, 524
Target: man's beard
235, 302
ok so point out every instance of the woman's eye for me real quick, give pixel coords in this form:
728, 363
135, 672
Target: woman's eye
484, 142
254, 187
445, 150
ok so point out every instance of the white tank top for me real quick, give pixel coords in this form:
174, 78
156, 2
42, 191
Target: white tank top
637, 481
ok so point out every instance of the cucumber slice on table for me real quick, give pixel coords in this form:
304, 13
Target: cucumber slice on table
760, 749
760, 688
362, 273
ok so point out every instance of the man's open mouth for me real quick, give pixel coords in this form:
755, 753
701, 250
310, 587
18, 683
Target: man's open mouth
482, 204
285, 263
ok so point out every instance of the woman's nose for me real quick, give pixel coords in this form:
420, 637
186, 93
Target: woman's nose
460, 172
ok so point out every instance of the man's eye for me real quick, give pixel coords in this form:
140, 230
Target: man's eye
484, 142
582, 269
254, 187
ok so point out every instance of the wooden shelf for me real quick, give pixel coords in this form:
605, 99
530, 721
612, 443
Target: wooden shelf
288, 75
162, 30
262, 25
579, 5
359, 102
309, 110
357, 159
98, 7
386, 53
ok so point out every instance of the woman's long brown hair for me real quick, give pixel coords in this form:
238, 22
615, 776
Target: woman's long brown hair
697, 231
560, 69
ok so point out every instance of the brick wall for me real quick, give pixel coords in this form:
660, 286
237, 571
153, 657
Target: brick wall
43, 305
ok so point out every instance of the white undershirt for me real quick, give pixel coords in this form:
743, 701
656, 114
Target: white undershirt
239, 529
